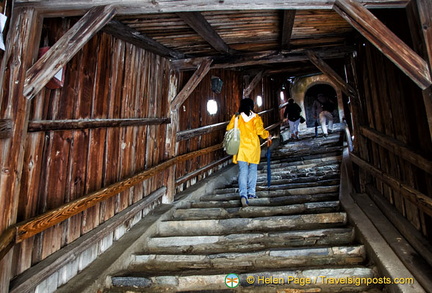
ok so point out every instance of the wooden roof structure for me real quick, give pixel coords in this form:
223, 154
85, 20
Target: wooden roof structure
135, 72
244, 34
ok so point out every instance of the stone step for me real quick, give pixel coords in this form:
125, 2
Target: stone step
253, 211
304, 175
264, 191
246, 242
270, 259
244, 225
235, 203
301, 163
352, 279
289, 184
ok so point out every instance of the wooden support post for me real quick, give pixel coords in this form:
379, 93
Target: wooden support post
424, 11
171, 138
25, 29
385, 41
192, 83
65, 48
253, 84
327, 70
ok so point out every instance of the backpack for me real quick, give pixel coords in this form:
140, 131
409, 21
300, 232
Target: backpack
231, 142
327, 106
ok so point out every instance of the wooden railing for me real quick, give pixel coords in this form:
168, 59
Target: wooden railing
23, 230
28, 228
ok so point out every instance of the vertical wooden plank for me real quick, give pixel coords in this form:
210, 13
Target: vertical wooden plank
102, 107
20, 41
113, 156
171, 144
90, 217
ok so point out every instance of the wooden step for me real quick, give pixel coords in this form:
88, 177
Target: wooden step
276, 258
255, 210
245, 242
244, 225
264, 192
313, 280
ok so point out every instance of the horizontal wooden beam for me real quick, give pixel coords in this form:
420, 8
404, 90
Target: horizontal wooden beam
386, 41
65, 48
420, 200
397, 148
126, 33
268, 57
5, 128
49, 125
188, 134
71, 7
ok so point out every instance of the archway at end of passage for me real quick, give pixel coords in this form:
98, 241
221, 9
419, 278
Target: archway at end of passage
310, 96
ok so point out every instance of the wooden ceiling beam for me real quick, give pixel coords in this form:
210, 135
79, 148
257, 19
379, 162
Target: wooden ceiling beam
287, 28
201, 26
65, 48
269, 57
130, 35
128, 7
386, 41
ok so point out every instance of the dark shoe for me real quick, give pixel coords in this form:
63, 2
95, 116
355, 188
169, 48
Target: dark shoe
252, 196
244, 201
325, 135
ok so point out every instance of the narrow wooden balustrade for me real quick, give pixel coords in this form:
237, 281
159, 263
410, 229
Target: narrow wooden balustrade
421, 200
48, 125
23, 230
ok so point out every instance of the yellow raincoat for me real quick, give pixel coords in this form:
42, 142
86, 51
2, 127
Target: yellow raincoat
249, 150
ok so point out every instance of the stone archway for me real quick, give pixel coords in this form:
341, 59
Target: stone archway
304, 91
310, 97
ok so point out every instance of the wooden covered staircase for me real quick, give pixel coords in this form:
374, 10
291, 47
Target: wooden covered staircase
294, 237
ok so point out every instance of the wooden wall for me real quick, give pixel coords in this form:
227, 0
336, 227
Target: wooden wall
110, 79
105, 80
391, 115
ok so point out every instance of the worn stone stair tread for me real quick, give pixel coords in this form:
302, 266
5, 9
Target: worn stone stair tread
264, 191
316, 161
315, 280
250, 241
243, 225
295, 177
287, 184
233, 201
255, 211
275, 258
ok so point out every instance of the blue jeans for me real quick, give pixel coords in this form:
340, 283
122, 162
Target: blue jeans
247, 179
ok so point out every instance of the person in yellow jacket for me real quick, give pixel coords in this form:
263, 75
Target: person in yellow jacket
249, 155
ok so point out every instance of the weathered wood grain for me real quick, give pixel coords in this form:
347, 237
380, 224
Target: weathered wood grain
38, 224
192, 83
386, 41
76, 7
65, 48
421, 200
5, 128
